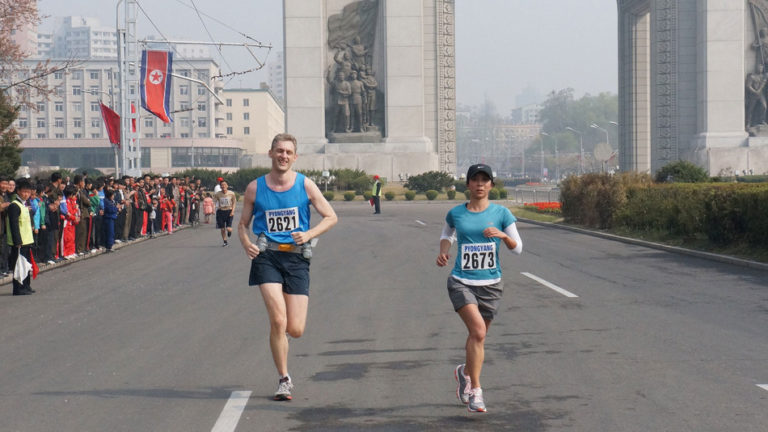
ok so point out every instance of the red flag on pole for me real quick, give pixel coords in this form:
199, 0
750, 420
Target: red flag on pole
112, 122
156, 68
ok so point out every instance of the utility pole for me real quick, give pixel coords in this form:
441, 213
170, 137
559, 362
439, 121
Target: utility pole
128, 59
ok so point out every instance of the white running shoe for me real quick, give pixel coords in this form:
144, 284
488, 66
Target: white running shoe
463, 388
284, 387
476, 403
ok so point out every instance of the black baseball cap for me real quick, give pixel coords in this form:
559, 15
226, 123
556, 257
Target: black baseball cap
480, 168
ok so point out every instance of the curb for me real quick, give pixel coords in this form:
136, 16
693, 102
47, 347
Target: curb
674, 249
48, 267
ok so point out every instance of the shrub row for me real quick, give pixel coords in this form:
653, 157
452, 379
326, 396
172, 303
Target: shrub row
724, 213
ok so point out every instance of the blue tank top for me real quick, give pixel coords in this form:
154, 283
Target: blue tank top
278, 214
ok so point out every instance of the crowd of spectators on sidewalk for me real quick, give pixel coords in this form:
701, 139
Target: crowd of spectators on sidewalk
78, 216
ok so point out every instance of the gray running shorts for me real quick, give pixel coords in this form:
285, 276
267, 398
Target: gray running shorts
486, 297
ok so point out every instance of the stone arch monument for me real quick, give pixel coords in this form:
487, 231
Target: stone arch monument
689, 70
370, 84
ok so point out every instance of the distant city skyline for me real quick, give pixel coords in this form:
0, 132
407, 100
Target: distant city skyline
504, 49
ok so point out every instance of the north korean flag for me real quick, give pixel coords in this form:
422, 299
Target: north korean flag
156, 68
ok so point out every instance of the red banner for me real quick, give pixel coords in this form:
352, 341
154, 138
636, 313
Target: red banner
112, 123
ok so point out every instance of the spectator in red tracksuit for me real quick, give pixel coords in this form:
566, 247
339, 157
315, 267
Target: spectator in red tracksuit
70, 216
167, 205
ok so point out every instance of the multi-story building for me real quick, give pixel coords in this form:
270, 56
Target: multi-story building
254, 116
276, 76
71, 119
83, 38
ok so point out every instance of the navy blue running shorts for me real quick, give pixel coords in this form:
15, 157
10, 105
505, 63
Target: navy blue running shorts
286, 268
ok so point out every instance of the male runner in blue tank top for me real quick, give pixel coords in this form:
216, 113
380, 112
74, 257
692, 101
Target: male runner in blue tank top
475, 285
279, 203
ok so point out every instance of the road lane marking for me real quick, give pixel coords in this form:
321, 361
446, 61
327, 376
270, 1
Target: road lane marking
763, 386
549, 285
230, 416
420, 222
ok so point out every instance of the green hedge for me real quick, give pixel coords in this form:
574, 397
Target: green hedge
410, 195
389, 195
349, 196
328, 195
431, 194
724, 213
451, 194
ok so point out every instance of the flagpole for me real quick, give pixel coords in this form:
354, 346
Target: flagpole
112, 103
122, 93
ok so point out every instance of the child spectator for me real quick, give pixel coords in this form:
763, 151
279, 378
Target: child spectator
70, 214
152, 216
208, 207
108, 219
167, 205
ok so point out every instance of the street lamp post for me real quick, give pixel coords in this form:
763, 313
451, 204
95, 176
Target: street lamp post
557, 160
581, 148
541, 169
607, 141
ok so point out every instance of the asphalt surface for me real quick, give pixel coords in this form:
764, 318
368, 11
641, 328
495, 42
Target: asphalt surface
166, 335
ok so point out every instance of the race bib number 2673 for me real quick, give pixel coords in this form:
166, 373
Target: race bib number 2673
282, 220
478, 256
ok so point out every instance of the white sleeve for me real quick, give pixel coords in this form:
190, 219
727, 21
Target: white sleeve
448, 233
511, 231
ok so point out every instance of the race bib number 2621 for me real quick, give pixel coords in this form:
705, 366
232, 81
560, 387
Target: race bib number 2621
478, 256
282, 220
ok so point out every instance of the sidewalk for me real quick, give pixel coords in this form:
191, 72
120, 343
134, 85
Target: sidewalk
117, 246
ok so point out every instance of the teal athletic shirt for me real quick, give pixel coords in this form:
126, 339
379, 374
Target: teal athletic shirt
278, 214
477, 259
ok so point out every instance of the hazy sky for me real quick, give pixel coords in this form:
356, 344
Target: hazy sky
502, 46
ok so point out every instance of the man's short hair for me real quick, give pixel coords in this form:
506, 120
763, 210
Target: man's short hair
78, 179
55, 177
24, 183
284, 137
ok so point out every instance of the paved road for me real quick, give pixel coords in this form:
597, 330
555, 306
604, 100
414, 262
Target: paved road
166, 335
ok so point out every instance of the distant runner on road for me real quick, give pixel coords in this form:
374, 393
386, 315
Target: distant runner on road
225, 201
475, 285
279, 203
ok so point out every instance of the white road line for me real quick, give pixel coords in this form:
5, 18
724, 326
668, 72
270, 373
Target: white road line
549, 285
763, 386
230, 416
420, 222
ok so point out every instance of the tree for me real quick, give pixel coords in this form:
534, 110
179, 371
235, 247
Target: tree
10, 153
681, 172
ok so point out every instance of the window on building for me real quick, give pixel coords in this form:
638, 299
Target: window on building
77, 90
229, 130
246, 102
201, 107
202, 121
41, 122
246, 130
95, 107
202, 75
202, 135
77, 74
185, 135
94, 74
95, 135
77, 135
165, 135
184, 89
23, 136
40, 107
58, 122
41, 136
77, 107
94, 90
201, 90
229, 116
60, 91
78, 122
95, 122
58, 75
184, 72
23, 123
185, 122
229, 102
149, 135
149, 122
184, 106
59, 135
58, 106
246, 116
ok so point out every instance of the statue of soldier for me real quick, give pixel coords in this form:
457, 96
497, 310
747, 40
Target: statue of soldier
341, 91
362, 77
359, 52
755, 97
356, 103
370, 88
